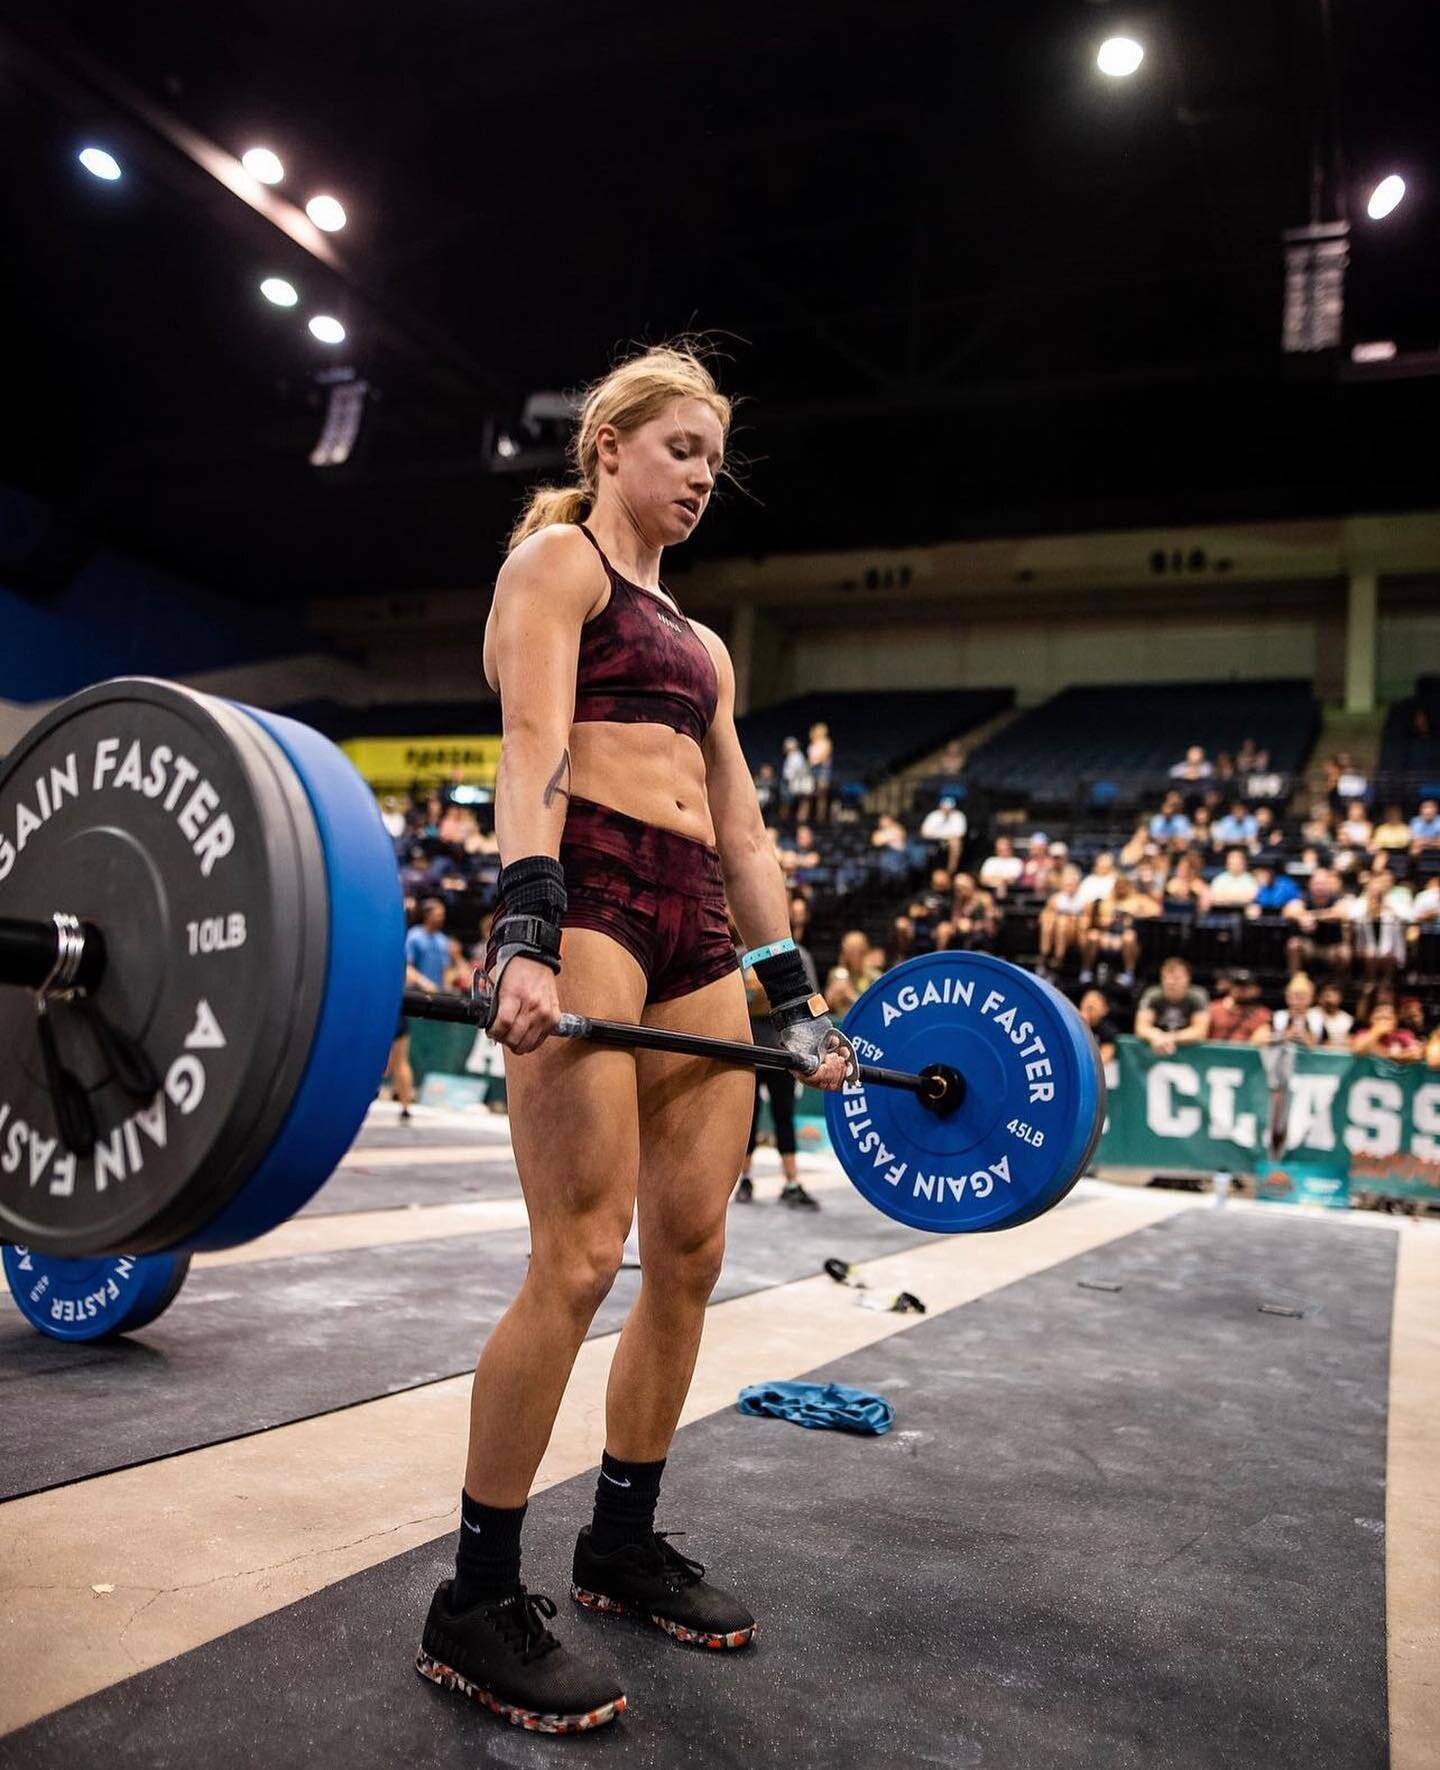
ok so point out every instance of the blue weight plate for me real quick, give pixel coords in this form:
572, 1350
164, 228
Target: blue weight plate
364, 977
92, 1299
1088, 1053
1033, 1100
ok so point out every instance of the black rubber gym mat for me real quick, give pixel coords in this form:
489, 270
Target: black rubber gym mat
256, 1345
1135, 1527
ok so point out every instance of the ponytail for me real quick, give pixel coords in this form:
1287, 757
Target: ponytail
550, 504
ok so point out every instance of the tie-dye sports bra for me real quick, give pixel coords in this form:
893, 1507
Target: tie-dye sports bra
642, 664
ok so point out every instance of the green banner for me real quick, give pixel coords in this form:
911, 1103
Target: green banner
1207, 1108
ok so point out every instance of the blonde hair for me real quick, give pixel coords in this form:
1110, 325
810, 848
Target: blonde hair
634, 392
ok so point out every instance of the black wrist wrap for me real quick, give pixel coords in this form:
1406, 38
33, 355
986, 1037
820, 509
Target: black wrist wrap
787, 987
534, 886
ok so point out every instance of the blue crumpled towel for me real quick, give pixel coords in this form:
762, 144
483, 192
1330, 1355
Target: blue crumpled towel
819, 1404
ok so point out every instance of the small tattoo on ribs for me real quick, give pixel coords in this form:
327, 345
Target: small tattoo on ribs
558, 785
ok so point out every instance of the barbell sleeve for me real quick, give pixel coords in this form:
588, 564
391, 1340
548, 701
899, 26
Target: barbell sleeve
60, 954
940, 1089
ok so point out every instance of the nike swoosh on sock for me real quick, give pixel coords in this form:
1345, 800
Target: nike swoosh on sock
614, 1482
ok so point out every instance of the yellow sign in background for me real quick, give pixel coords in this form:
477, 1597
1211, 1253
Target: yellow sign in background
393, 764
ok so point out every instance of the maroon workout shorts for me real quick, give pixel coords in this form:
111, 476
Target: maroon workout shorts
658, 894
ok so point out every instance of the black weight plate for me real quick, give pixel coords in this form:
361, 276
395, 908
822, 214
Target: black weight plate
293, 840
132, 806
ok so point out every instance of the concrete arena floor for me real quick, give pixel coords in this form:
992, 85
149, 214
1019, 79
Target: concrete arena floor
1140, 1525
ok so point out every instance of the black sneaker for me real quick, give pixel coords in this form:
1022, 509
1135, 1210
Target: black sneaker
745, 1191
500, 1653
661, 1586
792, 1193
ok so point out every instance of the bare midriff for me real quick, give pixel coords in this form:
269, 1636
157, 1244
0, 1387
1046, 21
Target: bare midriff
647, 771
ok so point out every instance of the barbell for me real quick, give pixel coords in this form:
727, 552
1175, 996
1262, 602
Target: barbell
202, 925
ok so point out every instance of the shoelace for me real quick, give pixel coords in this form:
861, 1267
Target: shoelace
679, 1569
522, 1621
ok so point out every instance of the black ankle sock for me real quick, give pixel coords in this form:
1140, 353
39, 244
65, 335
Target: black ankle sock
625, 1497
487, 1559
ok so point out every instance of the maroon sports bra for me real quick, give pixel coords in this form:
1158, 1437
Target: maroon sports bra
642, 664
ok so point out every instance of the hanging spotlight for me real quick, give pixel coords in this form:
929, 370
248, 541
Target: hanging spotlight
260, 163
1386, 197
327, 329
276, 289
100, 164
326, 213
1119, 56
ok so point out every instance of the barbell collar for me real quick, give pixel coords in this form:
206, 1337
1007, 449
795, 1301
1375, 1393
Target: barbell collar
54, 958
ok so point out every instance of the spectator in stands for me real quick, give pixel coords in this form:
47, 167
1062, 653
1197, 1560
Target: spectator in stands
952, 757
946, 824
902, 941
1411, 1013
1194, 767
427, 949
1392, 833
1172, 1012
1186, 892
1100, 880
1170, 823
1269, 840
1425, 827
820, 757
1039, 870
852, 975
1299, 1022
1224, 769
767, 790
1234, 887
1240, 1017
890, 840
1202, 830
973, 921
1338, 1024
1140, 843
1060, 923
1239, 827
1387, 1036
1148, 877
799, 917
1356, 831
875, 960
392, 817
929, 908
1246, 756
434, 813
1095, 1012
1376, 926
779, 1085
1321, 925
796, 785
1274, 891
798, 852
1109, 930
1318, 829
1343, 780
1424, 921
1003, 868
420, 874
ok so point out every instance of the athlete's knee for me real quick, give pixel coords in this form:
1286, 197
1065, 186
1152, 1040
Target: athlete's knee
581, 1267
688, 1268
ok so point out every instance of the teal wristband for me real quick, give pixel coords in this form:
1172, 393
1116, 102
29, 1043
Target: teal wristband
756, 954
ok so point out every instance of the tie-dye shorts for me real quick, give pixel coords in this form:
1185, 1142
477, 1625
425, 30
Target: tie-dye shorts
658, 894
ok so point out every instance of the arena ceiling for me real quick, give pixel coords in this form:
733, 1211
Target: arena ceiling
966, 285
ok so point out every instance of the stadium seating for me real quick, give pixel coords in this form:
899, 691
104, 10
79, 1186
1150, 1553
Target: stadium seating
874, 733
1118, 743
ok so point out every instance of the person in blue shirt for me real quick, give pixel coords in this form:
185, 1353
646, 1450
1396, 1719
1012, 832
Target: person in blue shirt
1276, 890
1238, 829
427, 949
1425, 826
1170, 823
